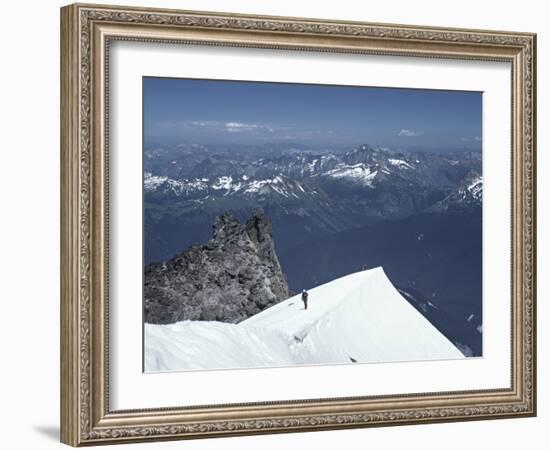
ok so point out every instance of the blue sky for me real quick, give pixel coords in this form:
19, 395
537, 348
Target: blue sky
253, 113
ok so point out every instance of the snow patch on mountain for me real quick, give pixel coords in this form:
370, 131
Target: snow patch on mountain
259, 185
360, 173
279, 185
476, 187
360, 317
152, 183
469, 193
224, 185
225, 182
400, 163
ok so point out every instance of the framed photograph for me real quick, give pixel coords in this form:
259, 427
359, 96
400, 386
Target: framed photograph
276, 224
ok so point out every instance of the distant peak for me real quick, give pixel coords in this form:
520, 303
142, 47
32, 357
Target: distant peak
363, 148
366, 148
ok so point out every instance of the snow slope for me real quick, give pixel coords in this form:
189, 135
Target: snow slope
357, 318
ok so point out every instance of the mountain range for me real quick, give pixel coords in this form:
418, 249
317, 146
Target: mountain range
417, 214
307, 195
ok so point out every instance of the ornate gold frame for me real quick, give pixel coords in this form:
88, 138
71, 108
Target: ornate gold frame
86, 31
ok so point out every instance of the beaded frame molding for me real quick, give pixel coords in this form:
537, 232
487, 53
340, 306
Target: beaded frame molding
86, 33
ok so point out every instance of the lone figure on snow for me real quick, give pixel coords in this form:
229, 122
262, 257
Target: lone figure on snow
304, 298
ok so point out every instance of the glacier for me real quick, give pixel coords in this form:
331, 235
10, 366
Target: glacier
360, 318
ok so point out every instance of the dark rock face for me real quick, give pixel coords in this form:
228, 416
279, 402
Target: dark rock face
230, 278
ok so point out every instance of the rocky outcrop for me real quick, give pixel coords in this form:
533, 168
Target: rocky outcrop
230, 278
468, 195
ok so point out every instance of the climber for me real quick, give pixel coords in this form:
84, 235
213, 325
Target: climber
304, 298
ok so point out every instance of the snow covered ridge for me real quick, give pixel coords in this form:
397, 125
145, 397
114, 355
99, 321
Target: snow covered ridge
227, 185
359, 318
152, 183
471, 191
361, 174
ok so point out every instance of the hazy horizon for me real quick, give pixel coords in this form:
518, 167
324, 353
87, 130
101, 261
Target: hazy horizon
243, 113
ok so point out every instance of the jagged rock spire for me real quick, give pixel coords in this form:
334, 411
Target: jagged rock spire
233, 276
